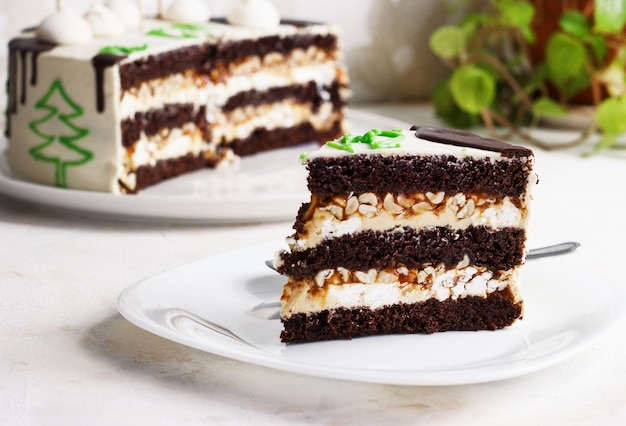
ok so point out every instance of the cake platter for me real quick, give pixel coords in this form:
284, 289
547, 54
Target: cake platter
263, 188
229, 307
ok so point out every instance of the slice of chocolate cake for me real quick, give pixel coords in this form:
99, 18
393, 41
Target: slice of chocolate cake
407, 231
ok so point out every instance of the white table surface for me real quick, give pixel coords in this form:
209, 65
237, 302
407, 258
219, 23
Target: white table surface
68, 357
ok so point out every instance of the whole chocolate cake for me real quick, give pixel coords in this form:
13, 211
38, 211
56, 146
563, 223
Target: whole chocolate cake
116, 102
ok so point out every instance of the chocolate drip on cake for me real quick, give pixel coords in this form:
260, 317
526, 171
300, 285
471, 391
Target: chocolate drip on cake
100, 63
23, 46
469, 140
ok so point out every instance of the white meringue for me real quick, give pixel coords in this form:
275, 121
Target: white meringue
260, 14
188, 12
127, 11
64, 27
103, 22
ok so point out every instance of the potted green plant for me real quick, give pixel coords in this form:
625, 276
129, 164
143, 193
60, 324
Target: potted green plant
508, 72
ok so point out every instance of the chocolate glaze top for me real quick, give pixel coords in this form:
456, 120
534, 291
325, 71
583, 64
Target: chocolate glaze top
469, 140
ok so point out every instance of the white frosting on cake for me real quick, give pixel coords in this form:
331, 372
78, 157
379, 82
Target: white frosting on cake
188, 11
65, 27
254, 14
409, 145
103, 22
127, 11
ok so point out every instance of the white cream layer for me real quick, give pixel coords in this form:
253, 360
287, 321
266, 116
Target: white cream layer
177, 142
200, 90
368, 212
308, 297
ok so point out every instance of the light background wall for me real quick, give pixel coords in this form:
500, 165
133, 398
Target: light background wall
385, 41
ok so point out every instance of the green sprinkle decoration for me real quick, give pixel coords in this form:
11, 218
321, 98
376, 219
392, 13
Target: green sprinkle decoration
375, 138
122, 50
178, 30
162, 32
192, 27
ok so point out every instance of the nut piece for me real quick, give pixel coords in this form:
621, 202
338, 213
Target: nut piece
340, 201
352, 205
335, 211
463, 263
390, 205
368, 210
322, 276
366, 277
386, 277
345, 274
467, 209
435, 198
421, 207
368, 198
402, 270
404, 201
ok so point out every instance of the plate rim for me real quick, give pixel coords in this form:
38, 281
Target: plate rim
473, 375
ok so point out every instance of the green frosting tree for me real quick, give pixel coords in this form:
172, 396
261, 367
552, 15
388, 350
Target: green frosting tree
59, 145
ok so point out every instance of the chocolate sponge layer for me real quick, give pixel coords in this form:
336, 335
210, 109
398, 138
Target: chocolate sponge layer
407, 174
472, 313
497, 250
260, 140
214, 58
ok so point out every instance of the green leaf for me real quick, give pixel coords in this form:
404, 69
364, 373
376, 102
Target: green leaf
610, 115
598, 47
548, 107
470, 24
565, 57
609, 15
447, 110
447, 42
575, 23
473, 88
579, 82
518, 14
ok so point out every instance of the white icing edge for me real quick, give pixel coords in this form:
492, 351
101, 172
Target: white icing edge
410, 145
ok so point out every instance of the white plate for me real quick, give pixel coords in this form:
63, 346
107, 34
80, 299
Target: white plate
237, 291
266, 187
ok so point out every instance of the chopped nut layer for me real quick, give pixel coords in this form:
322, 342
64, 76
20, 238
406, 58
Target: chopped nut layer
369, 205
